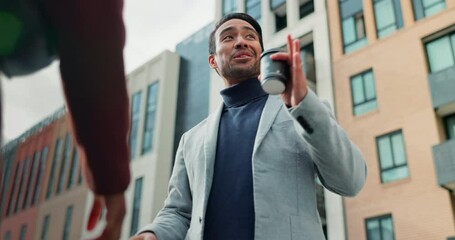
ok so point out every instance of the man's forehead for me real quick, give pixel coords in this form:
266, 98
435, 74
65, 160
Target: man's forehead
234, 23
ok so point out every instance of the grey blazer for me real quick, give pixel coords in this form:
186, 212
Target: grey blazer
286, 160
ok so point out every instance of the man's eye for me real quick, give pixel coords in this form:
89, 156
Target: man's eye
250, 36
228, 37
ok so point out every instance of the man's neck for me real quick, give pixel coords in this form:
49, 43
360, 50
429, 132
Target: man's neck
232, 82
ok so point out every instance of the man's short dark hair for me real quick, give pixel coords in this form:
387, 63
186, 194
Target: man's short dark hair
242, 16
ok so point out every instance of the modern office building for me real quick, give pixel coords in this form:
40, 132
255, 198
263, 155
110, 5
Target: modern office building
153, 90
307, 21
394, 84
194, 82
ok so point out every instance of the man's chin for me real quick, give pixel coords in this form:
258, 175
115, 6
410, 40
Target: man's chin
243, 73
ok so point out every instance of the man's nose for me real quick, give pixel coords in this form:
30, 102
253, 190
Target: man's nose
240, 42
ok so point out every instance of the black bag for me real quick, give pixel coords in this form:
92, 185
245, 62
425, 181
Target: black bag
26, 40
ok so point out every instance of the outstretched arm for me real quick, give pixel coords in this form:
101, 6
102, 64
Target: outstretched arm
90, 37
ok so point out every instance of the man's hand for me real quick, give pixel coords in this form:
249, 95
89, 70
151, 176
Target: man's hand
296, 88
144, 236
116, 209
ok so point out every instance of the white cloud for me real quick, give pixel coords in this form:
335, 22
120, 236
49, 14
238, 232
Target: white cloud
152, 27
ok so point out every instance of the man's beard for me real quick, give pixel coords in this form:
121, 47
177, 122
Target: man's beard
241, 72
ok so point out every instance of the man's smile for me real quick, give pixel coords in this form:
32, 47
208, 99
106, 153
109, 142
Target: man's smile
242, 55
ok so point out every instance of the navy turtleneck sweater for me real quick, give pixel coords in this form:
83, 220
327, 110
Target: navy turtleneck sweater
230, 208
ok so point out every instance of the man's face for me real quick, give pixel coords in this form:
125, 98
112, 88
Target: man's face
237, 52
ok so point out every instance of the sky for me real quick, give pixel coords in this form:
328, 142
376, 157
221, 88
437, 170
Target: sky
152, 26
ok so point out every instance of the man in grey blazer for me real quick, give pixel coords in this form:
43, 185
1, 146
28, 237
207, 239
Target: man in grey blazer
248, 171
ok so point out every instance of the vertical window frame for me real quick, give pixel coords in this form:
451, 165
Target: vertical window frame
279, 12
253, 5
274, 4
366, 99
233, 5
67, 224
20, 193
379, 219
136, 207
395, 166
151, 110
357, 17
397, 12
23, 232
71, 182
17, 171
304, 51
33, 172
57, 155
45, 227
449, 35
136, 100
7, 235
39, 177
420, 10
63, 164
446, 120
306, 8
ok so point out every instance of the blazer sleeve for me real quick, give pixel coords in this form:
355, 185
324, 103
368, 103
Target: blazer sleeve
90, 36
339, 163
173, 221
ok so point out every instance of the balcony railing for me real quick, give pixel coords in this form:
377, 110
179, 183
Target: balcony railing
442, 87
444, 158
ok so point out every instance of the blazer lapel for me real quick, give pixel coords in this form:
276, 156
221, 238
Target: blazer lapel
210, 139
271, 109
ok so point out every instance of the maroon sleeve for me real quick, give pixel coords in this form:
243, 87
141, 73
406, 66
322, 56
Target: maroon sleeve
90, 39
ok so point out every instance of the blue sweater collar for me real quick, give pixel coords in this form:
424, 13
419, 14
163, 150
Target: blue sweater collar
242, 93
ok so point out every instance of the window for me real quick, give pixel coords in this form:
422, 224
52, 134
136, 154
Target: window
308, 64
20, 194
306, 8
352, 25
135, 113
66, 156
13, 189
33, 173
426, 8
441, 52
388, 18
150, 115
67, 226
274, 4
229, 6
39, 177
380, 228
280, 22
7, 235
449, 124
23, 232
392, 157
45, 228
136, 206
6, 177
73, 169
253, 8
278, 7
363, 93
57, 155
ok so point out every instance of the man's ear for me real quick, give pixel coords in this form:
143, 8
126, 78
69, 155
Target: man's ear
212, 61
